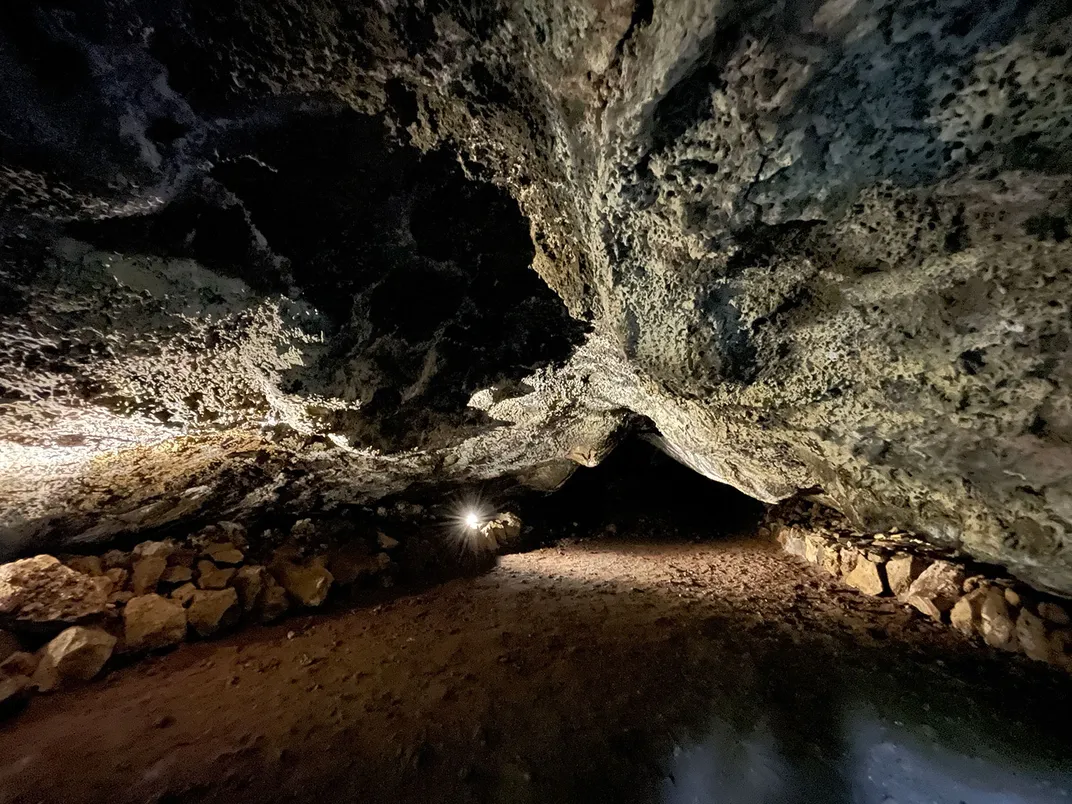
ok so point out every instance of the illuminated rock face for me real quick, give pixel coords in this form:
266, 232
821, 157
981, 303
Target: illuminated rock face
820, 247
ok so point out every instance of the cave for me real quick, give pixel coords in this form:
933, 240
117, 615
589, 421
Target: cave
524, 402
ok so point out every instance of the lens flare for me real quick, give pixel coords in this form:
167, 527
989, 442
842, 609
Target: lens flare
465, 525
472, 520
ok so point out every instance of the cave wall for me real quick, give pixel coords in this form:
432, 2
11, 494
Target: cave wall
821, 246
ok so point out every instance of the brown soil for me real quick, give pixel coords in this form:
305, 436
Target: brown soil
602, 670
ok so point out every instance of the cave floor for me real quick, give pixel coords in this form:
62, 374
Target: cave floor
615, 670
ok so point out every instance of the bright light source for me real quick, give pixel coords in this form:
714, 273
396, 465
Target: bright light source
472, 520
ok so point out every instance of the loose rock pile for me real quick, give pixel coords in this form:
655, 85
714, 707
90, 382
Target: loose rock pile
88, 609
1003, 613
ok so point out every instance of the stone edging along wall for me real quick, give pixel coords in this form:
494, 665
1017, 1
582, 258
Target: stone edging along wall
64, 620
1005, 614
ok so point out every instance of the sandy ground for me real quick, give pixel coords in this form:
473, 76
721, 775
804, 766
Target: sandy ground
602, 670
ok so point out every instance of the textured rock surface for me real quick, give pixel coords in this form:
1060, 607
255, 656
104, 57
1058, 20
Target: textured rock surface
211, 610
77, 654
820, 247
40, 591
151, 622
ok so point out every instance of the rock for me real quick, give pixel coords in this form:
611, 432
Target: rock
209, 576
87, 565
9, 643
184, 594
116, 559
1061, 648
147, 571
223, 553
996, 624
973, 583
177, 575
1052, 612
120, 598
866, 576
306, 584
211, 610
183, 557
77, 654
792, 541
303, 530
118, 576
352, 561
1031, 636
502, 530
901, 571
41, 591
13, 691
20, 663
249, 582
937, 589
385, 542
273, 602
233, 533
815, 548
151, 622
1012, 597
965, 615
154, 549
832, 557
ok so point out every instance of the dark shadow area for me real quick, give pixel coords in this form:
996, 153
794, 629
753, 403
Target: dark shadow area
634, 486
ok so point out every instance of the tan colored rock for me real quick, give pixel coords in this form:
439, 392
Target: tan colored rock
273, 602
211, 610
866, 576
249, 582
352, 561
303, 530
1054, 613
1032, 637
20, 663
41, 590
996, 624
223, 553
901, 571
147, 572
161, 549
209, 576
502, 530
87, 565
815, 548
177, 575
965, 615
116, 559
120, 598
1012, 597
184, 594
385, 542
937, 589
77, 654
118, 576
152, 622
307, 584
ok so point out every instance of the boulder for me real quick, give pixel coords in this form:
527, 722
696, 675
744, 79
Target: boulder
40, 591
118, 576
77, 654
352, 561
177, 575
147, 572
273, 602
249, 582
937, 589
87, 565
502, 530
151, 622
209, 576
223, 553
155, 549
792, 541
385, 542
815, 547
184, 594
116, 559
1012, 597
867, 576
307, 584
831, 558
1053, 613
965, 615
20, 663
996, 624
211, 610
901, 571
1032, 637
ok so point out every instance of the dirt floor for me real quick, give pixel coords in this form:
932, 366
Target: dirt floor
645, 667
